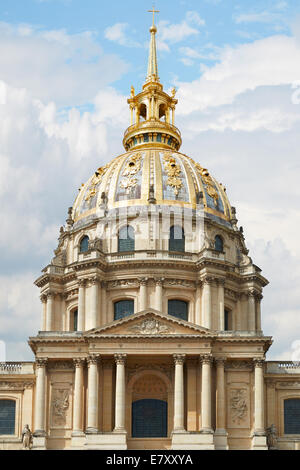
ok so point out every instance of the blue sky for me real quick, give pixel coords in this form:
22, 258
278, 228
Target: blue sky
65, 73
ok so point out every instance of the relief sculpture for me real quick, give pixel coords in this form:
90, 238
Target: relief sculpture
238, 404
60, 405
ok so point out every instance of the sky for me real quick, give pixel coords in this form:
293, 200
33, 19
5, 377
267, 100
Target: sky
66, 70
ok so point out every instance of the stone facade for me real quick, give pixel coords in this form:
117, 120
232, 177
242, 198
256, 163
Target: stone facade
206, 370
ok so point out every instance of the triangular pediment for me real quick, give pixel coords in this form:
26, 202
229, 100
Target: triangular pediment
149, 322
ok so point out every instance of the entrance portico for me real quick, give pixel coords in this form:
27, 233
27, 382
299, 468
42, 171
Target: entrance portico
174, 390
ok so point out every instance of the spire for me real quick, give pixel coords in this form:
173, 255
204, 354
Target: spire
152, 111
152, 74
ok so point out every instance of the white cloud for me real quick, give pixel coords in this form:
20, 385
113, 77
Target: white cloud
118, 33
169, 33
271, 61
207, 52
274, 15
54, 65
262, 17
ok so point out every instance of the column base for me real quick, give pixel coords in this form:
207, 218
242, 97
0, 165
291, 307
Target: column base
107, 441
77, 439
220, 439
259, 441
39, 441
185, 440
92, 431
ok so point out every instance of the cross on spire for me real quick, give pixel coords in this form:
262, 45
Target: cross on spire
153, 11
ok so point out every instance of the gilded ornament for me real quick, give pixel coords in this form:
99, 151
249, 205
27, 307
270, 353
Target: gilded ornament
132, 167
96, 180
173, 171
208, 182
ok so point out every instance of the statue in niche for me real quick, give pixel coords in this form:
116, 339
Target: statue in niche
27, 438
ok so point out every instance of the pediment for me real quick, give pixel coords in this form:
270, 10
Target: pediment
149, 322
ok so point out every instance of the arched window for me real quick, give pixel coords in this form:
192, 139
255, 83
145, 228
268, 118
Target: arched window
126, 239
143, 111
75, 320
123, 308
292, 416
162, 111
178, 309
7, 417
177, 239
226, 320
219, 246
84, 244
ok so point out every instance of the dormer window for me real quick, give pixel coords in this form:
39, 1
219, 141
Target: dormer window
126, 240
177, 239
219, 245
84, 244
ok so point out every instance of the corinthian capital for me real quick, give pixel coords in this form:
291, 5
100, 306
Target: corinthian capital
41, 362
179, 358
120, 358
79, 361
93, 359
259, 362
206, 359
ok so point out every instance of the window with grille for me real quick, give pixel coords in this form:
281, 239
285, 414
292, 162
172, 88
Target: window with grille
177, 239
292, 416
84, 244
126, 239
7, 417
123, 308
178, 309
149, 418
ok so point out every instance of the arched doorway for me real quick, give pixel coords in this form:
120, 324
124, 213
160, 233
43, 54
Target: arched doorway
149, 413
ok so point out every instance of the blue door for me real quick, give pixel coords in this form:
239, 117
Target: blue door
149, 418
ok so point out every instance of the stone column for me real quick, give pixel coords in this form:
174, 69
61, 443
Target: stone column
93, 380
44, 313
271, 401
81, 305
63, 311
158, 294
120, 393
206, 361
258, 311
104, 318
221, 284
238, 324
179, 393
206, 303
40, 398
143, 294
94, 303
251, 311
50, 311
259, 412
78, 397
198, 304
220, 396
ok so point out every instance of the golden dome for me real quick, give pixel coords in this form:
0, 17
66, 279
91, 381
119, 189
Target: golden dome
152, 171
152, 176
